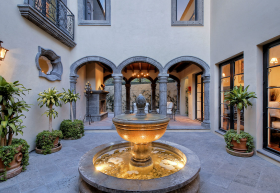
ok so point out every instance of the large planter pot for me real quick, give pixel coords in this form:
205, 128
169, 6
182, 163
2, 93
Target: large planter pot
53, 150
240, 147
15, 165
56, 142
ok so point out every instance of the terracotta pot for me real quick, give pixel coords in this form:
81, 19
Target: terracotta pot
56, 141
15, 163
241, 147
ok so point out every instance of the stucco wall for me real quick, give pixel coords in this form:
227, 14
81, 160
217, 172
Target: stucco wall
242, 27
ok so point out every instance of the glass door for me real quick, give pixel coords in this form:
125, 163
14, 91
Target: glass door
199, 97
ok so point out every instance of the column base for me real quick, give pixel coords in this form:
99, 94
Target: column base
206, 124
153, 111
127, 112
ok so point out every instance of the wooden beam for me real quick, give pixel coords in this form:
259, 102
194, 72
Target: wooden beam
182, 67
140, 66
132, 68
155, 70
174, 67
105, 67
125, 69
148, 69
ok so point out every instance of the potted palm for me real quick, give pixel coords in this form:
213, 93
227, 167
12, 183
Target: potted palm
239, 141
13, 152
71, 129
46, 139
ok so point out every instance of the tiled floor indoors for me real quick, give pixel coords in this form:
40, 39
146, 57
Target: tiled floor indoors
181, 122
220, 172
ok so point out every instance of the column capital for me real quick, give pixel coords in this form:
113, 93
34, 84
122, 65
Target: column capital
73, 79
163, 78
117, 76
206, 79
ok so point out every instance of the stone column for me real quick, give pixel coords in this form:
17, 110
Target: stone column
153, 98
163, 93
127, 109
178, 98
117, 94
73, 81
206, 118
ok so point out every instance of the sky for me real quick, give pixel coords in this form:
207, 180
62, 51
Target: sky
102, 3
181, 6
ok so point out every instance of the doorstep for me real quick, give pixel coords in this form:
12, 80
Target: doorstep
266, 154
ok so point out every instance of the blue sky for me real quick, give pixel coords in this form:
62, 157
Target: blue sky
181, 6
102, 3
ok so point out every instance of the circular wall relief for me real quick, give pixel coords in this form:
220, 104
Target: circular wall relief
49, 64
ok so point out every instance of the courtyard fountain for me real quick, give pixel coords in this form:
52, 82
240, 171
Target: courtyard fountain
140, 164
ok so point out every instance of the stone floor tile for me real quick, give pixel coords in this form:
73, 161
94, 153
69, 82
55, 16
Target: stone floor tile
249, 173
246, 181
9, 182
211, 188
52, 177
219, 181
28, 175
30, 184
10, 189
63, 183
235, 187
41, 189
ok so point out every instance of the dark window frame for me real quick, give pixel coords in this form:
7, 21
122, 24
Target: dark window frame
201, 102
231, 62
265, 95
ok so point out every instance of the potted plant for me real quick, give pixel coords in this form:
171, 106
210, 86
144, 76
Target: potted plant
50, 97
71, 129
13, 152
45, 141
239, 141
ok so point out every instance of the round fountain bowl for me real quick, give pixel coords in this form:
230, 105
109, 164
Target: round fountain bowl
184, 180
143, 129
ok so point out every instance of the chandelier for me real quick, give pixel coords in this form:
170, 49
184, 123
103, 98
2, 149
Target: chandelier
140, 75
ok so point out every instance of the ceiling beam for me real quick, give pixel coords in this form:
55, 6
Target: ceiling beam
140, 66
148, 69
155, 70
105, 67
125, 69
174, 67
132, 68
182, 67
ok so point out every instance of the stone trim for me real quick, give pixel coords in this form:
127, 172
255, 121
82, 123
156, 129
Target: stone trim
57, 68
203, 65
269, 155
139, 59
38, 19
81, 15
81, 62
200, 15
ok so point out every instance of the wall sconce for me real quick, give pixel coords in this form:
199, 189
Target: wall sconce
3, 52
273, 61
190, 89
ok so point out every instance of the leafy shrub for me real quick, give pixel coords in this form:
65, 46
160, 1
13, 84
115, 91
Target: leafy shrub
232, 135
45, 140
72, 129
7, 154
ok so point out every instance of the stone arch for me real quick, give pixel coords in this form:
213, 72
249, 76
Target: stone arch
174, 78
139, 59
78, 64
81, 62
206, 80
107, 77
203, 65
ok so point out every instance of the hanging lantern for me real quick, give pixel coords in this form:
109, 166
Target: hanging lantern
3, 52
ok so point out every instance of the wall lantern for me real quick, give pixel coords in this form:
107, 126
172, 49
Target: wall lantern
3, 52
190, 89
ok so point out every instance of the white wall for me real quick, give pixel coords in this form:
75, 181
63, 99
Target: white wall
242, 27
22, 38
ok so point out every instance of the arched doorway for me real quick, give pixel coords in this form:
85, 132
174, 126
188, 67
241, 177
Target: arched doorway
91, 69
187, 67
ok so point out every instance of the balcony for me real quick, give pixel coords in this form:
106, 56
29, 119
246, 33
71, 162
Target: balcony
53, 16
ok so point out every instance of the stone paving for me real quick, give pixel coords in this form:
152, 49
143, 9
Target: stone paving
220, 172
181, 122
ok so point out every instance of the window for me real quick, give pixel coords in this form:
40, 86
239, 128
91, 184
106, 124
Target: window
231, 74
199, 97
271, 97
49, 64
94, 12
187, 12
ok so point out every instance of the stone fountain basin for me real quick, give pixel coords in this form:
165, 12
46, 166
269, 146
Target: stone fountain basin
186, 179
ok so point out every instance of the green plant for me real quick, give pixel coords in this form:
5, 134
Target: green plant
110, 102
49, 98
70, 97
233, 135
7, 154
45, 140
71, 129
12, 106
241, 98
